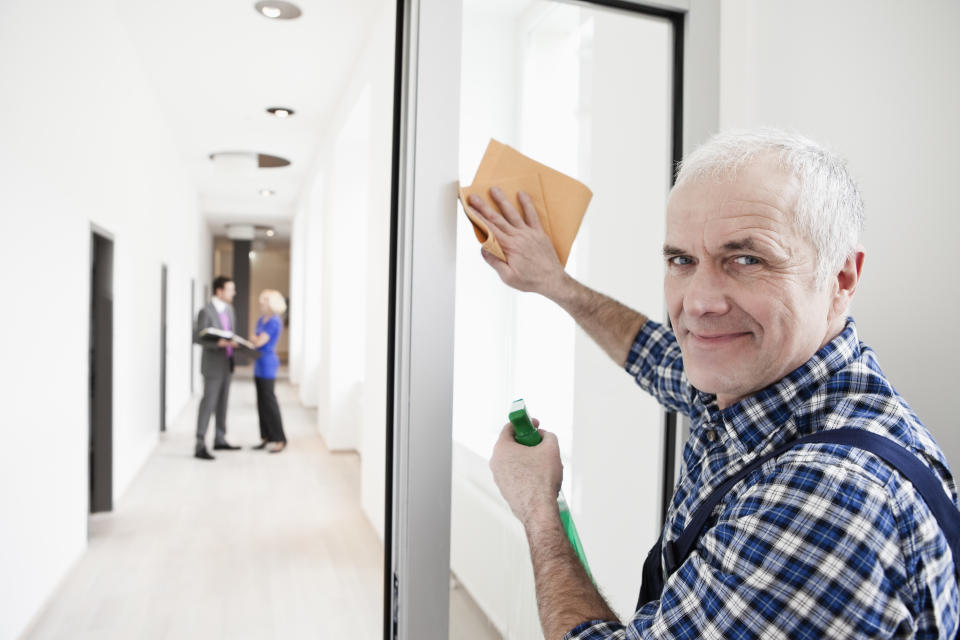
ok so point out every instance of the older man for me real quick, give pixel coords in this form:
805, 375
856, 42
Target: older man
814, 538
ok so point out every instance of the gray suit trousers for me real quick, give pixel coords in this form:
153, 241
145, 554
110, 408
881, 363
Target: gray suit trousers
215, 393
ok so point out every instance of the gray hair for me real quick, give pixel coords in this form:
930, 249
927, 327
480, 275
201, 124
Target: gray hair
829, 209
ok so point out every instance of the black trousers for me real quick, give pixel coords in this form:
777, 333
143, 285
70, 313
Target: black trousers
271, 425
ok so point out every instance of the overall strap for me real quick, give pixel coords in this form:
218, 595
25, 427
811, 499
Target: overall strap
922, 478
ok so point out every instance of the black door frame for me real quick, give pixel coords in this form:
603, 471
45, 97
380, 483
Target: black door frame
193, 315
100, 443
163, 347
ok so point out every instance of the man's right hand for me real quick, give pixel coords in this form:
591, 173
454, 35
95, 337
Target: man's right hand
529, 478
532, 263
223, 343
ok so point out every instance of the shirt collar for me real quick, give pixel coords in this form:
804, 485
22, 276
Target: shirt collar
753, 419
219, 304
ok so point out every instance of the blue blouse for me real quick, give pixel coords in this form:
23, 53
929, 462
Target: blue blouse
266, 365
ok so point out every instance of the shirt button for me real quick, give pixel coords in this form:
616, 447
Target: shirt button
711, 435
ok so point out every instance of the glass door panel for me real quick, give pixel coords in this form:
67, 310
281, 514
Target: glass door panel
586, 90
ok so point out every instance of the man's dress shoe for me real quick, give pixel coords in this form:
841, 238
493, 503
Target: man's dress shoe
203, 454
225, 445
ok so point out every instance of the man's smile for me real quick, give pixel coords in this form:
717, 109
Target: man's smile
714, 339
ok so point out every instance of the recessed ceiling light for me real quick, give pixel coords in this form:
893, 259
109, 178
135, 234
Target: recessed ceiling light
252, 255
278, 10
266, 193
270, 233
281, 112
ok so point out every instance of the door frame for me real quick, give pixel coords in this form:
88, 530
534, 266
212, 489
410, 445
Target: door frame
421, 297
193, 319
163, 346
100, 378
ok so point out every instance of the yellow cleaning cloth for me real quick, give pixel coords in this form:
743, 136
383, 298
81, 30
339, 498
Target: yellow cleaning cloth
560, 200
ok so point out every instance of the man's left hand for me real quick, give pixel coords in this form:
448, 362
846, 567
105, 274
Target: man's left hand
529, 478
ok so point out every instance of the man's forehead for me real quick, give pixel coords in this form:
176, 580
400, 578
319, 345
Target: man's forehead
759, 200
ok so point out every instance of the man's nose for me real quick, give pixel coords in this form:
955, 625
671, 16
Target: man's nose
706, 292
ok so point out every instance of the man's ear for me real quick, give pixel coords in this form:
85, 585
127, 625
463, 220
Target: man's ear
846, 281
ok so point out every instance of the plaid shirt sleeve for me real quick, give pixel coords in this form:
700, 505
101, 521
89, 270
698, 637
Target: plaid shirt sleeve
655, 363
807, 550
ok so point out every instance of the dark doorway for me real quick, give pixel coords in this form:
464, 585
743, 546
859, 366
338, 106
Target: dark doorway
241, 301
163, 347
193, 315
101, 373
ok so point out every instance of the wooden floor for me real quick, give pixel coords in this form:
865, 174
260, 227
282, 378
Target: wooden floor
252, 545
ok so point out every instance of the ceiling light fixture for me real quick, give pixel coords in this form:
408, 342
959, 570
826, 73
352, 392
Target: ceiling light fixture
234, 160
266, 193
241, 231
270, 233
278, 10
281, 112
245, 160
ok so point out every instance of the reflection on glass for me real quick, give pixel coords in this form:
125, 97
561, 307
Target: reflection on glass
586, 91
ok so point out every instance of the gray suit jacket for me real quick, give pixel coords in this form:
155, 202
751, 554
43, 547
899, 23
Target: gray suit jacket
214, 363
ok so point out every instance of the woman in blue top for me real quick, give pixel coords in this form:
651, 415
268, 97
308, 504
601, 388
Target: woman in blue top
269, 328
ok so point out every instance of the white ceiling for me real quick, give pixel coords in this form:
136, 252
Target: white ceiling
216, 65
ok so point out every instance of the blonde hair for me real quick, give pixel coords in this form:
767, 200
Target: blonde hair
275, 301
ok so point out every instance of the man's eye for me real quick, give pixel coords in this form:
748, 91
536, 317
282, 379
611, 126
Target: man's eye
746, 260
680, 261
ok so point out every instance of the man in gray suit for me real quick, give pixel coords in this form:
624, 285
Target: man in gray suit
216, 365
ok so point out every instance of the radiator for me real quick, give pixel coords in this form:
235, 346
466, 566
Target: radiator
488, 552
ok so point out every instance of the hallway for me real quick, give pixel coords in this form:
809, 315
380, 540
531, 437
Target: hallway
252, 545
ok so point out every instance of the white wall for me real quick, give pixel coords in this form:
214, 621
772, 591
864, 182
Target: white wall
340, 260
878, 82
308, 236
297, 302
343, 351
83, 142
378, 67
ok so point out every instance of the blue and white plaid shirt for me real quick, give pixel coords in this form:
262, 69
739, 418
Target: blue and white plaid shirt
825, 541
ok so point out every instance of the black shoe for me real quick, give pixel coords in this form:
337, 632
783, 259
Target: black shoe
203, 454
262, 445
225, 445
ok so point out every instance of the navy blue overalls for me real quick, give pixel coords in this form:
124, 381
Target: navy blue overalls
923, 479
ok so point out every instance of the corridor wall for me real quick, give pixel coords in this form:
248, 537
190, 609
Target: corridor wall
83, 143
340, 263
297, 302
306, 280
